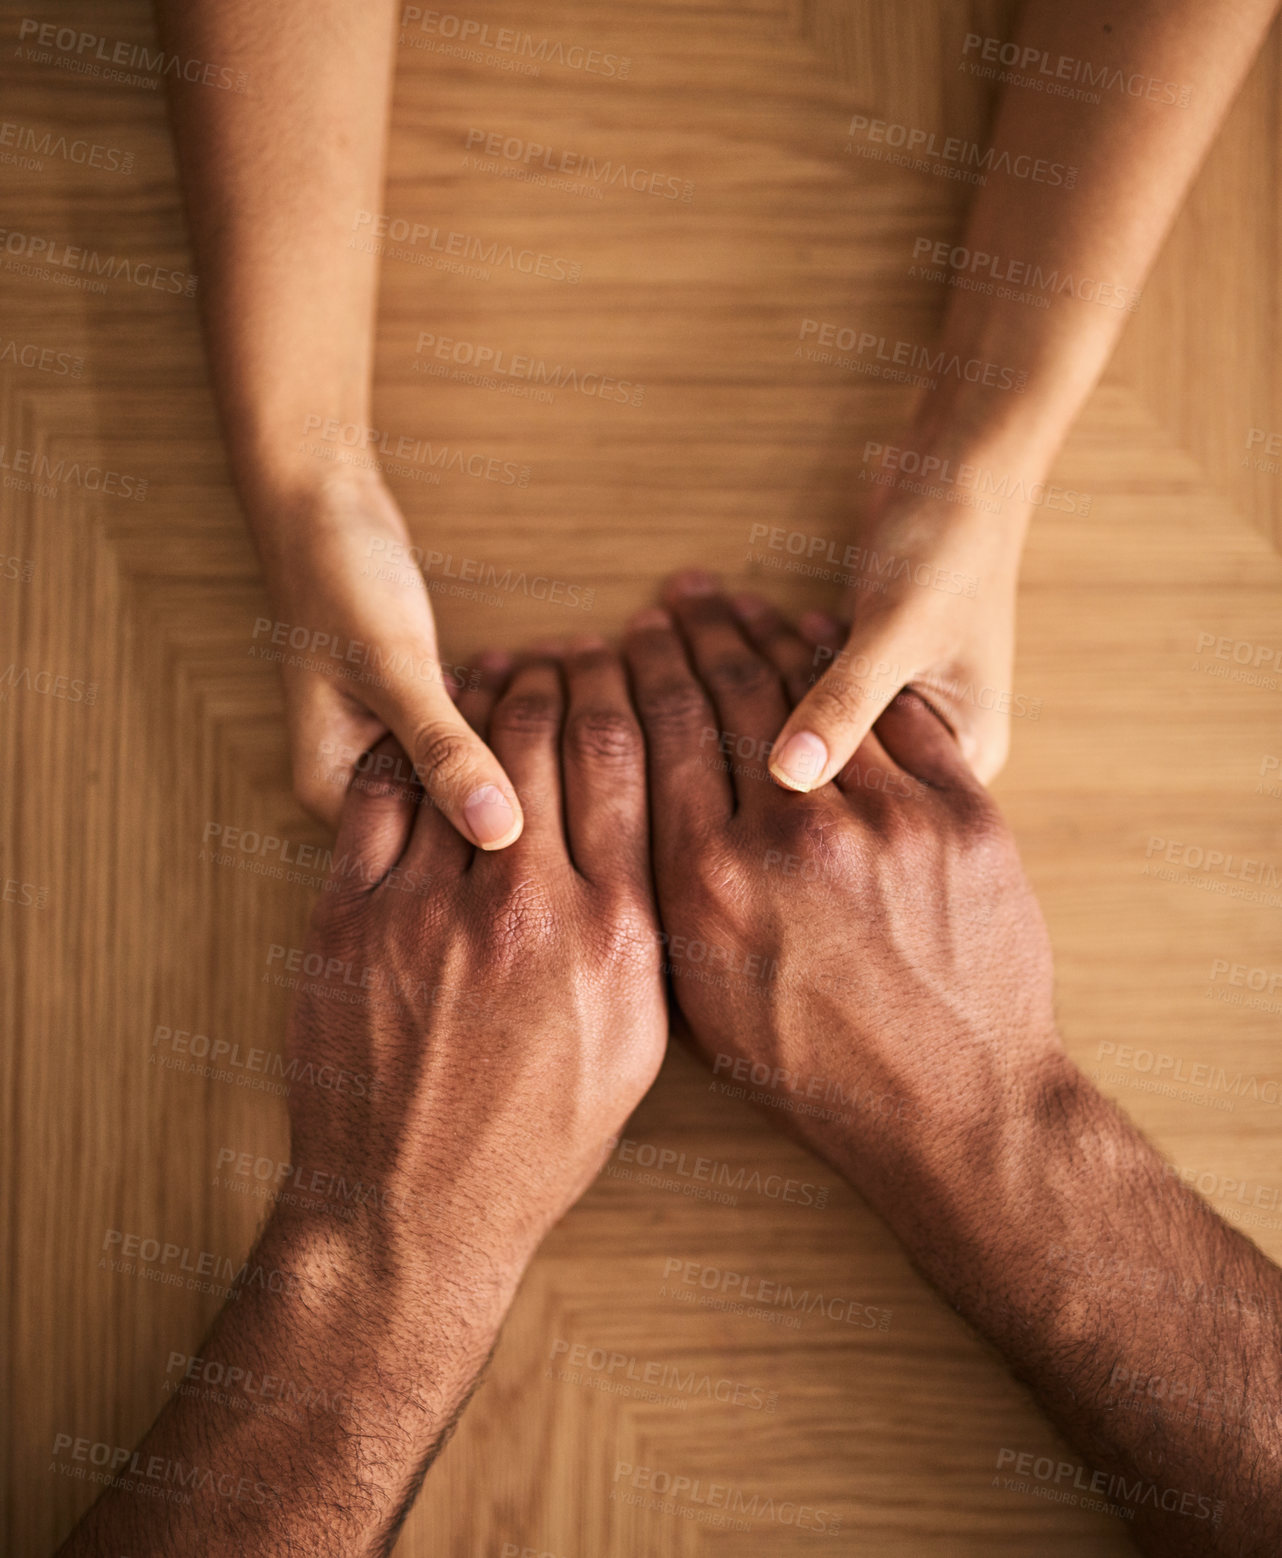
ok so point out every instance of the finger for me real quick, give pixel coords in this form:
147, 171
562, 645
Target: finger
826, 635
525, 732
437, 848
983, 734
872, 771
378, 815
745, 688
328, 732
477, 698
825, 729
923, 745
822, 630
689, 787
792, 656
457, 770
799, 655
603, 756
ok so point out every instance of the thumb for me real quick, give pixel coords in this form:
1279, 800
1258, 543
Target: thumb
458, 772
826, 728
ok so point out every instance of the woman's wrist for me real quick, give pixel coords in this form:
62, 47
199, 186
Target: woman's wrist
998, 418
955, 457
288, 496
338, 517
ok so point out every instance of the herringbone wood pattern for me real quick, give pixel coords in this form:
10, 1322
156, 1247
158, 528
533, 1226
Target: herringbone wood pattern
894, 1432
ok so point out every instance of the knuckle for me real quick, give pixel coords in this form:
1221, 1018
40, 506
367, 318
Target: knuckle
527, 713
674, 704
520, 918
442, 754
628, 934
842, 702
604, 736
742, 673
714, 878
808, 831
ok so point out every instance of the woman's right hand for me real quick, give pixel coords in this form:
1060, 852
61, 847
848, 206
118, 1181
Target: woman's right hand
356, 645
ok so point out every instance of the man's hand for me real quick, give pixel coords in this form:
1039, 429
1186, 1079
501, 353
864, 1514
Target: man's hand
509, 1004
873, 949
889, 940
484, 1024
368, 662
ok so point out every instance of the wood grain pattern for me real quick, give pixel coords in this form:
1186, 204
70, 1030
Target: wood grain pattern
895, 1433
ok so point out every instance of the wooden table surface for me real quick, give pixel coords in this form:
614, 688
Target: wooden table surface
137, 719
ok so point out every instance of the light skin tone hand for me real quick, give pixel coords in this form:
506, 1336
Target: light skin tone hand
513, 1016
909, 970
275, 178
932, 597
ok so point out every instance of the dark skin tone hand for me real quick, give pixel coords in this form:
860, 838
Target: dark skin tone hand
909, 966
506, 1011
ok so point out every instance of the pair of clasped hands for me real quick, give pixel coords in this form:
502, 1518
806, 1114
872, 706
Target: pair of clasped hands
876, 932
872, 937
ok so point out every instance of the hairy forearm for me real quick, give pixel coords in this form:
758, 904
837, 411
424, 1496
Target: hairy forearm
1135, 157
274, 179
365, 1363
1050, 1224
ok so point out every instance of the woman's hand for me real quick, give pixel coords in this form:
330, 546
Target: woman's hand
930, 605
359, 659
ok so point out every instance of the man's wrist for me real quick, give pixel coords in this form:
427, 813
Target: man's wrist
946, 1163
988, 1198
411, 1274
977, 1154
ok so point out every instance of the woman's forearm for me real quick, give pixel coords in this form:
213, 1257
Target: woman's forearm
274, 178
1135, 156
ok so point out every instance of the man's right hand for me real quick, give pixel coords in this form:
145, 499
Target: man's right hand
872, 958
875, 937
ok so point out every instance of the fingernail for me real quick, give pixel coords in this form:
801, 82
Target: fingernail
692, 581
800, 761
489, 815
749, 606
647, 618
818, 624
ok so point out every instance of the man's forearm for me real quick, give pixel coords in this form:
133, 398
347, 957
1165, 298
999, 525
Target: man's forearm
1135, 155
1050, 1224
341, 1376
275, 178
